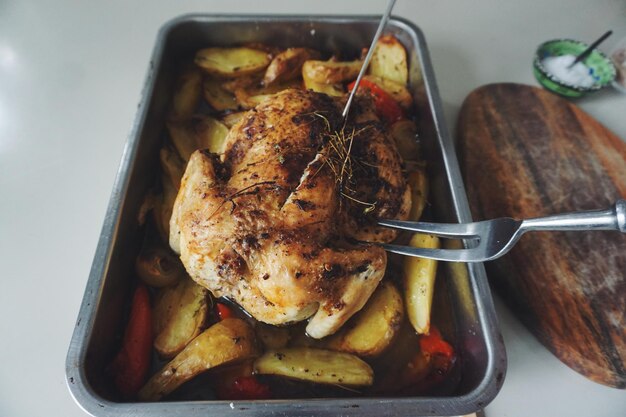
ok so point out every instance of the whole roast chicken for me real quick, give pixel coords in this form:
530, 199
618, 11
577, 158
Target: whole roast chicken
277, 222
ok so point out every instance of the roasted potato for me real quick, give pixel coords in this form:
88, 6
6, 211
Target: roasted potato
201, 132
217, 96
334, 90
389, 60
287, 65
331, 72
373, 328
179, 315
230, 119
419, 192
404, 133
232, 62
248, 98
247, 82
399, 92
228, 341
315, 365
419, 283
159, 267
187, 92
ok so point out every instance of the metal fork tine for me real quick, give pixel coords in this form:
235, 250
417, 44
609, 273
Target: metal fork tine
494, 238
452, 255
460, 230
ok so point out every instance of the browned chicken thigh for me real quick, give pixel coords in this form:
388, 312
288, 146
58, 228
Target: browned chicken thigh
273, 222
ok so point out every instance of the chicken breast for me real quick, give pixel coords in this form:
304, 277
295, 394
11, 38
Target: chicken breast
272, 222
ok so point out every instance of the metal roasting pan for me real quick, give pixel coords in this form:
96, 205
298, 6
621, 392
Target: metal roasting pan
469, 314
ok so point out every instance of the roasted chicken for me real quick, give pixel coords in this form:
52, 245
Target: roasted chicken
277, 222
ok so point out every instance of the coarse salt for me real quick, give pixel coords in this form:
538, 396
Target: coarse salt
578, 75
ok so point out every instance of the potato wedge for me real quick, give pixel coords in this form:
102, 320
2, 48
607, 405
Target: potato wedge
230, 119
372, 329
399, 92
419, 193
315, 365
287, 65
251, 97
329, 89
228, 341
419, 283
201, 132
187, 93
247, 82
217, 96
404, 133
272, 337
179, 315
331, 72
389, 60
232, 62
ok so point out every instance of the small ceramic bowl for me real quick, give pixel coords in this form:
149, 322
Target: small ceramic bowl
601, 68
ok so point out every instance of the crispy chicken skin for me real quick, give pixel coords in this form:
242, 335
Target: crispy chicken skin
266, 225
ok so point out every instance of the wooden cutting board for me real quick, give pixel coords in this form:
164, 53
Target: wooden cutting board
525, 152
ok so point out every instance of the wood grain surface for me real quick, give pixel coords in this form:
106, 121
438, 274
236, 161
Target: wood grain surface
525, 153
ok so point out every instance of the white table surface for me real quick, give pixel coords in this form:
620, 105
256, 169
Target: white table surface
70, 79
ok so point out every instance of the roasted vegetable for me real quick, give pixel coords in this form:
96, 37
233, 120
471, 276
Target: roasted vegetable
230, 119
419, 192
130, 366
179, 315
389, 60
413, 372
245, 82
371, 330
187, 92
404, 133
245, 388
419, 283
223, 311
334, 90
398, 91
439, 357
250, 97
232, 62
315, 365
159, 267
217, 96
201, 132
386, 107
287, 65
331, 72
227, 341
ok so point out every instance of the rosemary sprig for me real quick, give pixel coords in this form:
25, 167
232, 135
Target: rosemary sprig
338, 144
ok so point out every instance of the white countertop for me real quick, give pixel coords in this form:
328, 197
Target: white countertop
70, 79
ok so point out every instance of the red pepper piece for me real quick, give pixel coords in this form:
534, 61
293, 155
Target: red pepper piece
433, 344
245, 388
224, 312
386, 106
441, 356
130, 366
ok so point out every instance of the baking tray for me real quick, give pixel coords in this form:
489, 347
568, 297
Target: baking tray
470, 312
